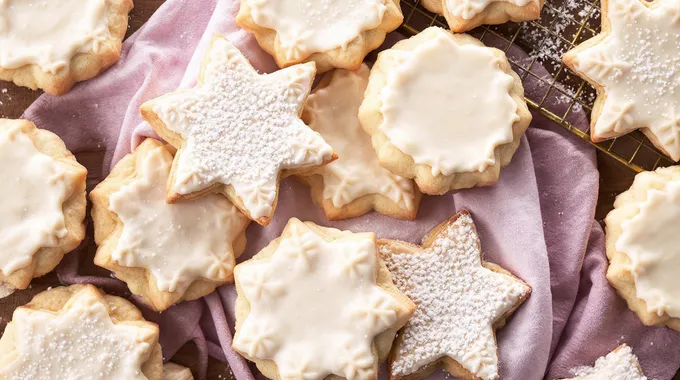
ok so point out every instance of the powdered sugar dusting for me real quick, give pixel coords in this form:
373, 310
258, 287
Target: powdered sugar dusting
620, 364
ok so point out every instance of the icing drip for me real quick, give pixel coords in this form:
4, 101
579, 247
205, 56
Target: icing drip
356, 172
177, 243
458, 301
34, 189
50, 33
469, 113
620, 364
315, 307
307, 27
242, 128
467, 9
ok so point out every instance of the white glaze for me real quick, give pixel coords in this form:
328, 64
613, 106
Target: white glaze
620, 364
467, 9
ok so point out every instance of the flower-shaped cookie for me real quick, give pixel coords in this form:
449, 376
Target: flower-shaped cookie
444, 109
52, 45
463, 15
77, 332
620, 364
43, 202
238, 132
355, 183
166, 253
634, 64
460, 301
317, 302
331, 33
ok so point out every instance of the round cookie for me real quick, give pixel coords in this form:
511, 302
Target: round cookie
166, 253
315, 303
52, 45
43, 202
445, 110
463, 15
333, 33
620, 364
642, 246
79, 332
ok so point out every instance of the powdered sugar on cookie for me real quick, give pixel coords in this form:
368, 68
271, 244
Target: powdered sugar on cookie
620, 364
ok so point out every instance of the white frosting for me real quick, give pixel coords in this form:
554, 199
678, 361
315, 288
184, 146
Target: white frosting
80, 342
467, 9
315, 308
652, 242
49, 33
620, 364
638, 65
356, 172
448, 105
178, 243
34, 188
458, 300
313, 26
242, 128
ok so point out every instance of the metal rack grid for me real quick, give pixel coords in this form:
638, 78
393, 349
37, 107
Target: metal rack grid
534, 50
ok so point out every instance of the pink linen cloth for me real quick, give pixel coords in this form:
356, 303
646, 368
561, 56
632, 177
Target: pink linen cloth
537, 221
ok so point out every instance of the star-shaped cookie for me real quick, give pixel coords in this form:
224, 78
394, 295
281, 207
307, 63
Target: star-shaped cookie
463, 15
166, 253
635, 66
238, 132
620, 364
77, 332
460, 301
355, 183
317, 302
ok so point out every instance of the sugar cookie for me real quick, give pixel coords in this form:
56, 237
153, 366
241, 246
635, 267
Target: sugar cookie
460, 300
238, 132
634, 64
166, 253
42, 205
444, 109
642, 246
331, 33
464, 15
355, 183
77, 332
317, 302
172, 371
52, 45
620, 364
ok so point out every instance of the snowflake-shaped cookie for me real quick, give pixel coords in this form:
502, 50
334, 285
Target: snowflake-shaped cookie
463, 15
460, 300
355, 183
620, 364
238, 131
317, 302
635, 66
165, 252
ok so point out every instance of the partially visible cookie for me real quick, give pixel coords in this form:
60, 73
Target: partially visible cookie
642, 246
78, 332
52, 45
460, 302
317, 302
620, 364
355, 183
172, 371
43, 202
445, 110
334, 34
166, 253
463, 15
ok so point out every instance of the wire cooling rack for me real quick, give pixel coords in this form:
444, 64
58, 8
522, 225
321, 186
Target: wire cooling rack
534, 50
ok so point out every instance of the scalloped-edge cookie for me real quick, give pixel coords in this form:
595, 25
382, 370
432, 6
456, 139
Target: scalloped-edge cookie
355, 183
642, 246
464, 15
460, 302
334, 34
52, 45
78, 332
166, 253
445, 110
317, 302
238, 132
43, 202
620, 364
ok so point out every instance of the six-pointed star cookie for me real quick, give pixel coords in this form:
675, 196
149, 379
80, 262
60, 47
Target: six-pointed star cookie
463, 15
635, 66
238, 131
460, 301
317, 302
620, 364
77, 332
